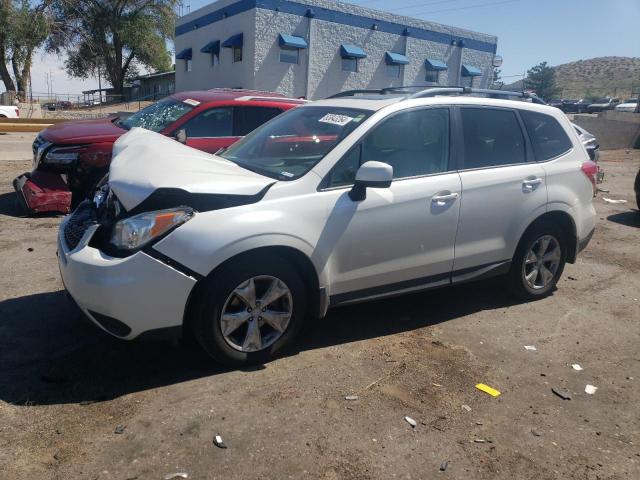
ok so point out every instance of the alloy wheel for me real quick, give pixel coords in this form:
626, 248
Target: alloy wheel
541, 262
256, 313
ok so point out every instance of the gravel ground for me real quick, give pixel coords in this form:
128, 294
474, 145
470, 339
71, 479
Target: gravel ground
65, 388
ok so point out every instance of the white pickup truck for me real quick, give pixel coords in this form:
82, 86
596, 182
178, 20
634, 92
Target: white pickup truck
9, 112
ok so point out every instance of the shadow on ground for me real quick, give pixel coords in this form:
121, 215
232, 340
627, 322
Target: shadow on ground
49, 354
629, 219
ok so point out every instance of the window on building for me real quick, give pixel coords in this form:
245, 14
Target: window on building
413, 142
215, 122
187, 65
432, 76
247, 119
349, 64
394, 71
467, 81
492, 138
237, 54
215, 58
289, 55
548, 138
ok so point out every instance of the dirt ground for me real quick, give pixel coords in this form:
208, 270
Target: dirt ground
65, 387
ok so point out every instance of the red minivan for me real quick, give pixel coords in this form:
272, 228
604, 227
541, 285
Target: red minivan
70, 158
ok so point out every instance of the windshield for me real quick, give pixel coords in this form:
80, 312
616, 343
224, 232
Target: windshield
290, 145
158, 116
602, 100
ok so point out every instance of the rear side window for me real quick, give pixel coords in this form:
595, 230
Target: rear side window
492, 138
547, 136
248, 119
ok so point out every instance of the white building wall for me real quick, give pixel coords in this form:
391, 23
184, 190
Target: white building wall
319, 72
203, 74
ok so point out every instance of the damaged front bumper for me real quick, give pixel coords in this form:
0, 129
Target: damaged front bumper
126, 297
41, 192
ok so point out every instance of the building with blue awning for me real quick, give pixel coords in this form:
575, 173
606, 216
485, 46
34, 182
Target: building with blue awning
316, 48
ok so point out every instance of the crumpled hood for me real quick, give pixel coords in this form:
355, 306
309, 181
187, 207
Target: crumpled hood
145, 161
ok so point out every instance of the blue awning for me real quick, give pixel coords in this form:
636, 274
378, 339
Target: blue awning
471, 71
211, 47
291, 41
351, 51
184, 54
234, 41
435, 65
396, 59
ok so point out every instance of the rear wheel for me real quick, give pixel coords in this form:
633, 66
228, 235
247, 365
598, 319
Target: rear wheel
538, 262
250, 311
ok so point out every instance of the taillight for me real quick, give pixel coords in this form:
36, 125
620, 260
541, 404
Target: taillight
590, 169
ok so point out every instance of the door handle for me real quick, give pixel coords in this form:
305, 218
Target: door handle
529, 185
442, 199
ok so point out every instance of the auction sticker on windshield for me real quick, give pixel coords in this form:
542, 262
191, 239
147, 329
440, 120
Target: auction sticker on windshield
336, 119
192, 102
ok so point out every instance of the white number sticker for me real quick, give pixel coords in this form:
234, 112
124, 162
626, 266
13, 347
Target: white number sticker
190, 101
336, 119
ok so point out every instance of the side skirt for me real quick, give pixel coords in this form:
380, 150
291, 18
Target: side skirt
421, 284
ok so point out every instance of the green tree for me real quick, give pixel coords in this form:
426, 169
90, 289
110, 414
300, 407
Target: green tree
24, 27
542, 80
117, 36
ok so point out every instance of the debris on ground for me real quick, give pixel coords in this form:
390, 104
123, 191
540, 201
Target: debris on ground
613, 200
572, 278
351, 397
563, 394
487, 389
466, 407
436, 384
30, 249
479, 440
217, 441
576, 366
590, 389
174, 476
535, 433
530, 347
119, 429
411, 422
444, 465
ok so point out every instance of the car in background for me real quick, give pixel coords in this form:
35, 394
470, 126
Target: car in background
630, 105
70, 158
9, 111
574, 106
602, 104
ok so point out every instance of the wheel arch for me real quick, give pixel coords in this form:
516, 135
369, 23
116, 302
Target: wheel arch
568, 226
299, 260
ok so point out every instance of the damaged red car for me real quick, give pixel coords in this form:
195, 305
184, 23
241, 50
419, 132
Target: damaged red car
71, 157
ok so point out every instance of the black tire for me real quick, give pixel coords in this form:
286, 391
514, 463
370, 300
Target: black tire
216, 290
516, 277
636, 187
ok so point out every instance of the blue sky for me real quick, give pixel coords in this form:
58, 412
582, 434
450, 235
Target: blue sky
529, 32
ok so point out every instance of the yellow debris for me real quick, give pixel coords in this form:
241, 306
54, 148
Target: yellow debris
487, 389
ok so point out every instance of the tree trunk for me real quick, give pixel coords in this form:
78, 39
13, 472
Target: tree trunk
4, 72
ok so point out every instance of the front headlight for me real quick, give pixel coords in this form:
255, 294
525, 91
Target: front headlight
135, 232
61, 156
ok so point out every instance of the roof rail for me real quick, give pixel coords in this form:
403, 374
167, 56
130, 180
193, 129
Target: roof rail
430, 91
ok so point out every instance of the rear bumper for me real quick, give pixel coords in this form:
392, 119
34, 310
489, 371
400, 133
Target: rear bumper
42, 192
582, 243
126, 297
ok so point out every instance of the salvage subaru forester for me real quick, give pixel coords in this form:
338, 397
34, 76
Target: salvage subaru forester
339, 201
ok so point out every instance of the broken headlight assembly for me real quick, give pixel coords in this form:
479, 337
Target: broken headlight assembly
135, 232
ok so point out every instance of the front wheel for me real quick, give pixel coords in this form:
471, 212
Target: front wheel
538, 262
250, 311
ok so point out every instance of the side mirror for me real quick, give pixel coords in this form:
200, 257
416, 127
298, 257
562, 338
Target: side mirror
181, 136
373, 175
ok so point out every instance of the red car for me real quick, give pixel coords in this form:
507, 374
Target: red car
70, 158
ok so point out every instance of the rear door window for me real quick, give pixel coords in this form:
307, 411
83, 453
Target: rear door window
248, 119
215, 122
547, 136
492, 137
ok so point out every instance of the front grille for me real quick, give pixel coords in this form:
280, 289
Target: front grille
78, 224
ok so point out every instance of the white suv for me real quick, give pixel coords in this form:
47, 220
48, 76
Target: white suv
335, 202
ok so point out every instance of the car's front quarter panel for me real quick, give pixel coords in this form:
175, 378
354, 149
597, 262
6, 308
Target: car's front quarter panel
286, 217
